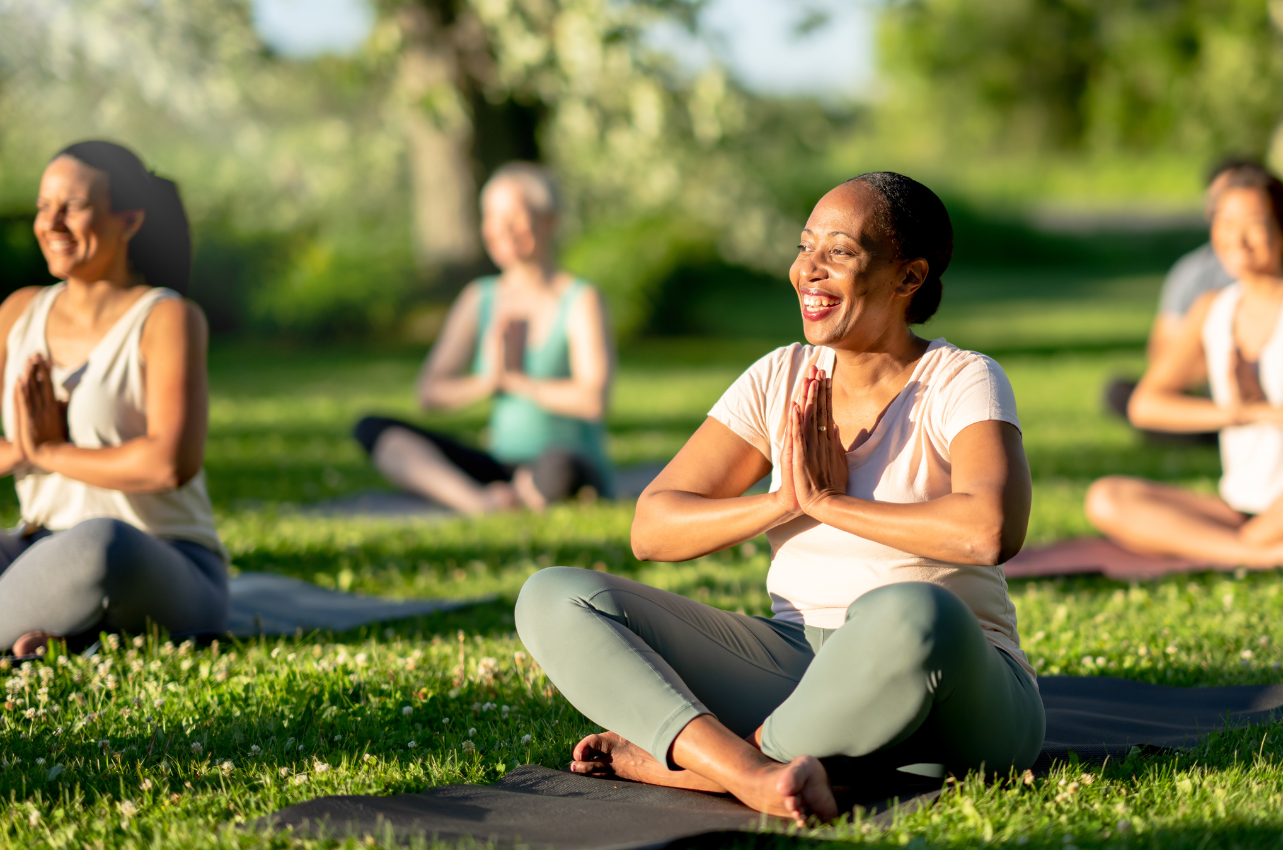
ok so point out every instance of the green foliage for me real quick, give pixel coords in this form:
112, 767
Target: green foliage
1194, 76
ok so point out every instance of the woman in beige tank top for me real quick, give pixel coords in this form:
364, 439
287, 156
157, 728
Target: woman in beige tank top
105, 411
1232, 336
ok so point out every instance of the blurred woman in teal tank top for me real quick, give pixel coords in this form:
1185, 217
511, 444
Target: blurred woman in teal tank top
536, 341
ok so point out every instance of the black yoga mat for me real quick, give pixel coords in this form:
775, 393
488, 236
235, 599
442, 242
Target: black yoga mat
1098, 716
540, 807
1094, 717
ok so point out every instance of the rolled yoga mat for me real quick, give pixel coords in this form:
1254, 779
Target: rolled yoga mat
1094, 717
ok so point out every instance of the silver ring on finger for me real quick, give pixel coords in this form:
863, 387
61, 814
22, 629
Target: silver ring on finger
823, 427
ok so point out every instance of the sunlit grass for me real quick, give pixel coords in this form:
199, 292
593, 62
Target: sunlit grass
162, 746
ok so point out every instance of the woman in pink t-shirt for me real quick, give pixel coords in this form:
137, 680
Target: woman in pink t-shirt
898, 485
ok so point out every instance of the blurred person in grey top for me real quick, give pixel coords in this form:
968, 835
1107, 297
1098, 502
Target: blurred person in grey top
1195, 273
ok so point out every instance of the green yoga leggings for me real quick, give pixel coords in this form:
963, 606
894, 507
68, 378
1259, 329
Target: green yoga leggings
908, 682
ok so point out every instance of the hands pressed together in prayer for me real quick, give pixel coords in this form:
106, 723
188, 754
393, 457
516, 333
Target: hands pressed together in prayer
813, 465
40, 419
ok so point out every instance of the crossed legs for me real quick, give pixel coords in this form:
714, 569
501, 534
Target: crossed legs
1161, 519
701, 698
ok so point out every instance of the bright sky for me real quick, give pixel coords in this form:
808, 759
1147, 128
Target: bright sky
821, 47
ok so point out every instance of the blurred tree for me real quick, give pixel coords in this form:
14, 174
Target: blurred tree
1190, 76
318, 185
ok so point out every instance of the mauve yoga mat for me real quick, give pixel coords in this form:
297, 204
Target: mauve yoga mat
1095, 717
1094, 555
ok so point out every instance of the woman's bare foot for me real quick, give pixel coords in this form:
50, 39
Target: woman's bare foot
523, 484
609, 754
497, 496
805, 789
799, 790
32, 643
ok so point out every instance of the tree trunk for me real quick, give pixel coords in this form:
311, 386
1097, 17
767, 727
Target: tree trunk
439, 144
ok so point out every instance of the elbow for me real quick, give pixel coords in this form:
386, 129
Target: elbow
643, 550
170, 476
640, 538
990, 546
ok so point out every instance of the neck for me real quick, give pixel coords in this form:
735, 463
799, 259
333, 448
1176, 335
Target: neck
1262, 286
884, 357
535, 273
95, 296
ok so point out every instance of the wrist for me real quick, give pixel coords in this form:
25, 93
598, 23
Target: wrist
46, 455
821, 505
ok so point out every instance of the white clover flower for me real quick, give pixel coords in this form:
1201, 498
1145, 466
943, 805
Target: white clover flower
1245, 654
338, 738
526, 739
469, 747
104, 745
360, 659
445, 721
29, 713
472, 731
128, 809
285, 771
159, 702
196, 747
368, 757
140, 641
227, 767
255, 750
519, 657
411, 745
300, 748
300, 779
113, 641
40, 761
407, 710
276, 652
320, 767
33, 819
146, 785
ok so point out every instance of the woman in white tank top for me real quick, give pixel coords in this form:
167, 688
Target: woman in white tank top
105, 411
1235, 333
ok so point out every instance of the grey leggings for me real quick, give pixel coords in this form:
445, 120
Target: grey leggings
107, 574
909, 680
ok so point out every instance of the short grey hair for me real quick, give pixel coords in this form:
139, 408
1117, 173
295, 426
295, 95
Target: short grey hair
537, 185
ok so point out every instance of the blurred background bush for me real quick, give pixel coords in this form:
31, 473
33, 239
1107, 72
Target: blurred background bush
334, 197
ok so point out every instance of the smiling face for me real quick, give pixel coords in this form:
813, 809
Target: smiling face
851, 283
513, 232
1246, 233
79, 233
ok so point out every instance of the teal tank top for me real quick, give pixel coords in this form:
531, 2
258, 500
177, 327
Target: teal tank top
521, 430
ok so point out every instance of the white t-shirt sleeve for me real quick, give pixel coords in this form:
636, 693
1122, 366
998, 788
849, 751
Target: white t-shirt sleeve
744, 407
978, 392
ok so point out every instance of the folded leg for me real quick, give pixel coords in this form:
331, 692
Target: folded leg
644, 662
910, 678
107, 573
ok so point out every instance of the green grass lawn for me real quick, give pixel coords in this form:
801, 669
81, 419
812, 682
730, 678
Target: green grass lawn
152, 745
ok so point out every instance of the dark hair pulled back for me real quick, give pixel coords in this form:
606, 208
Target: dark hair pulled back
1251, 175
161, 250
915, 218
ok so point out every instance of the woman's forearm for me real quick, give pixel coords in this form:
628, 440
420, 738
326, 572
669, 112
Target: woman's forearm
562, 396
675, 525
10, 457
452, 393
959, 528
1176, 412
142, 465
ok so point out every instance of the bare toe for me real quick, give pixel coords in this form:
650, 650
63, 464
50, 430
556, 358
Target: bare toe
32, 643
804, 785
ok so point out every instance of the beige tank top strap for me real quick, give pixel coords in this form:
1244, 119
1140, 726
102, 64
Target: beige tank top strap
129, 328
